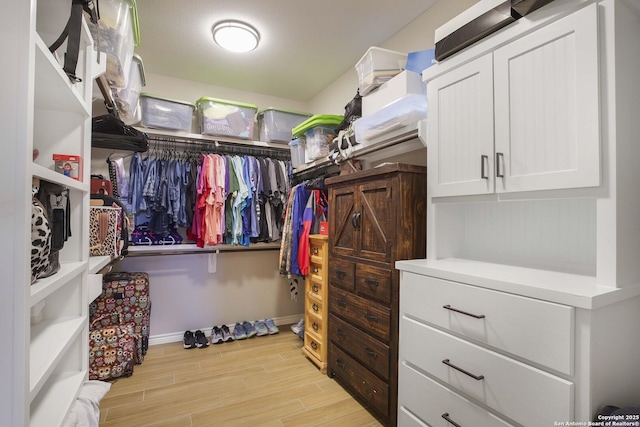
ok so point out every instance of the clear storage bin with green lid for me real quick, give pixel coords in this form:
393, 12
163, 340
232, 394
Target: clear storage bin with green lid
118, 34
220, 117
276, 124
319, 132
166, 113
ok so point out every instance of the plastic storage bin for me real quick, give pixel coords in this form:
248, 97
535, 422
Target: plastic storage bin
377, 66
404, 112
127, 98
119, 34
165, 113
226, 118
297, 147
318, 132
276, 125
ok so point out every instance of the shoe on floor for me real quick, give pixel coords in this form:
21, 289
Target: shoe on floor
249, 329
226, 333
261, 328
298, 326
201, 339
271, 326
189, 341
301, 334
216, 335
239, 332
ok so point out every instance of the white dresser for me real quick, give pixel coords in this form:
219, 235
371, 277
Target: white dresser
527, 308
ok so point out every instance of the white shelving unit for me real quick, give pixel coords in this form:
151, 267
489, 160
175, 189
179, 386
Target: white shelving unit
43, 110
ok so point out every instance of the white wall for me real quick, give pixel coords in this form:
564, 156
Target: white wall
247, 285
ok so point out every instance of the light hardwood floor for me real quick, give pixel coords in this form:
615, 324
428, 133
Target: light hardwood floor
262, 381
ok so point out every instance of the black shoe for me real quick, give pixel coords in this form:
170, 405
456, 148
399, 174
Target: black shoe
189, 341
201, 340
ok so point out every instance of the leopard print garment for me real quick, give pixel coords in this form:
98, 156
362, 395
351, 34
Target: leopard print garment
40, 237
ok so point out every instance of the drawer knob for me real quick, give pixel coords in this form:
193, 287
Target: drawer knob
315, 251
315, 327
315, 307
314, 345
315, 269
315, 288
451, 365
370, 317
449, 420
371, 282
476, 316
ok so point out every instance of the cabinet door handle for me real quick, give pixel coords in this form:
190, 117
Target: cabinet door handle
484, 160
475, 316
370, 317
371, 353
371, 282
451, 365
500, 165
449, 420
355, 220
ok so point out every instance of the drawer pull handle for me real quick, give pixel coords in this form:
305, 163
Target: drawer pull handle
449, 420
371, 282
484, 165
340, 364
341, 333
315, 307
341, 274
476, 316
451, 365
315, 269
315, 251
342, 304
500, 162
371, 353
315, 326
315, 288
314, 345
370, 317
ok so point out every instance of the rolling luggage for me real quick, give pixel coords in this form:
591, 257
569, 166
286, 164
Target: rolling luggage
113, 351
124, 301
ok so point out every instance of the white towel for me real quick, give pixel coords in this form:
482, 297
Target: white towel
85, 411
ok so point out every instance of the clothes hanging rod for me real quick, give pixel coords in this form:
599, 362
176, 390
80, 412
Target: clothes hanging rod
196, 138
190, 249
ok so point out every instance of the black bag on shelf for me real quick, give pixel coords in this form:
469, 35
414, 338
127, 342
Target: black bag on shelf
112, 133
352, 112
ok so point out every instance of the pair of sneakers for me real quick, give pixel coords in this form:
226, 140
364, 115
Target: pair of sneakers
266, 327
244, 330
221, 335
194, 340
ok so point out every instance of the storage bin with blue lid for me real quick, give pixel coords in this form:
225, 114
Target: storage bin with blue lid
119, 33
276, 124
297, 147
166, 113
220, 117
319, 132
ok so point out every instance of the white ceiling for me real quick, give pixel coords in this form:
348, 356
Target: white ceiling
305, 45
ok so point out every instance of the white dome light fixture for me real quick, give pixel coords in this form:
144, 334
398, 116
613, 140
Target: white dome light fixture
235, 36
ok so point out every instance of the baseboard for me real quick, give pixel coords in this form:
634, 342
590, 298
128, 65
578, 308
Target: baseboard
178, 336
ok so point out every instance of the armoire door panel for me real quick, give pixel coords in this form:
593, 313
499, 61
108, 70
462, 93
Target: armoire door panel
342, 229
376, 223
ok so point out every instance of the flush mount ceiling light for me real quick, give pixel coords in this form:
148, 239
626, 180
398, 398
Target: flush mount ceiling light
235, 36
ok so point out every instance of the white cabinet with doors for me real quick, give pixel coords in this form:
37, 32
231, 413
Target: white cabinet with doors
522, 116
45, 323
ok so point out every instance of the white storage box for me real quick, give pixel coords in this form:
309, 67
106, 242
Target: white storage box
405, 83
276, 125
127, 98
404, 112
119, 34
226, 118
298, 148
165, 113
318, 132
377, 66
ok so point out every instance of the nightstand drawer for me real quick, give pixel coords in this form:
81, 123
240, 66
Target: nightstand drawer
341, 274
368, 315
502, 383
316, 251
373, 390
314, 323
316, 287
442, 403
314, 305
313, 345
317, 272
371, 352
536, 330
374, 282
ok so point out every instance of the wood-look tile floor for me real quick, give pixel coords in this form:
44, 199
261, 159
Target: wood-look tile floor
262, 381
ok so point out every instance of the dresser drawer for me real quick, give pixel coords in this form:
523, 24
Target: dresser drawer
535, 330
317, 272
368, 350
370, 316
374, 282
504, 384
316, 251
314, 305
316, 287
313, 345
314, 324
413, 386
351, 373
341, 274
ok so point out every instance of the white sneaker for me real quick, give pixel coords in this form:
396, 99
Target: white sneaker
298, 327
